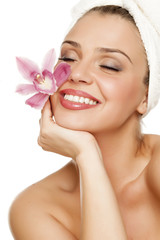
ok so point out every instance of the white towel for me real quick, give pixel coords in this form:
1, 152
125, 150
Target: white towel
146, 14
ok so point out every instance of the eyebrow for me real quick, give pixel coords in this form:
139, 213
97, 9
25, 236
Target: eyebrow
74, 44
106, 50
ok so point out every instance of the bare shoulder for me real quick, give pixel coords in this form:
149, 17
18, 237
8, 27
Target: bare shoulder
153, 139
153, 143
153, 172
41, 211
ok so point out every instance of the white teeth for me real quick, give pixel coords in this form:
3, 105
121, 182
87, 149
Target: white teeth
75, 99
91, 102
86, 100
65, 96
70, 98
79, 99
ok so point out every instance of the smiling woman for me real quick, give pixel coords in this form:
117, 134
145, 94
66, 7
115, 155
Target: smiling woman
111, 68
110, 189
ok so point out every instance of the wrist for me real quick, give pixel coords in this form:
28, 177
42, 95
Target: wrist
89, 156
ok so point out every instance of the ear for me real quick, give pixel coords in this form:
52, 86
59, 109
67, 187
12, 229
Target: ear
142, 107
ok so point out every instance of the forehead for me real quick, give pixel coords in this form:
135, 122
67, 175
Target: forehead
96, 30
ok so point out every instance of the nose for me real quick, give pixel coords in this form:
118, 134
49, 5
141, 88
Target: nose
81, 73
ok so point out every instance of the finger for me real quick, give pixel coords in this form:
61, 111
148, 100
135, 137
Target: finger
51, 106
46, 112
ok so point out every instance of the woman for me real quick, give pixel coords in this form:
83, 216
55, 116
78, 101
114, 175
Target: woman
110, 189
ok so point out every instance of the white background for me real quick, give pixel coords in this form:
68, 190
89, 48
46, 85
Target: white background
29, 28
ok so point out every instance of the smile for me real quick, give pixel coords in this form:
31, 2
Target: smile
77, 100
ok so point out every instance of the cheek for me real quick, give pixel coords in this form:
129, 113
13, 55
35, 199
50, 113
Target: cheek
119, 90
54, 104
56, 110
53, 100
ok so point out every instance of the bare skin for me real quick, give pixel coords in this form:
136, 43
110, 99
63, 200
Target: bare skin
58, 196
110, 190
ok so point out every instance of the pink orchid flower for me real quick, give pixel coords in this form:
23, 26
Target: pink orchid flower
44, 82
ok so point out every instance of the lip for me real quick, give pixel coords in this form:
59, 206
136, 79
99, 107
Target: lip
76, 105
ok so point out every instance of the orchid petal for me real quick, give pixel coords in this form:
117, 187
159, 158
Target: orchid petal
61, 73
45, 83
27, 68
38, 100
25, 89
49, 60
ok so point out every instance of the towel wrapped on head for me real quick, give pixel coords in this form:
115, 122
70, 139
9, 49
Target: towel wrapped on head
146, 14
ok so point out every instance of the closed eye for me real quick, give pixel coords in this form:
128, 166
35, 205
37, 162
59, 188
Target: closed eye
110, 68
66, 59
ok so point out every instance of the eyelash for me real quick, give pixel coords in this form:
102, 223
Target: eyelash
66, 59
110, 68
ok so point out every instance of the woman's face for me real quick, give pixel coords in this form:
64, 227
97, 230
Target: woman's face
108, 62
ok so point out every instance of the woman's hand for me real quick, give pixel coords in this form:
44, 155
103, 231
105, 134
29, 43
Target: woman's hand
66, 142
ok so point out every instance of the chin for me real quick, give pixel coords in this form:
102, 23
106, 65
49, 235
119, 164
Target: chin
65, 124
70, 122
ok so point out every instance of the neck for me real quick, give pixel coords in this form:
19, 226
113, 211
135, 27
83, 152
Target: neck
119, 149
